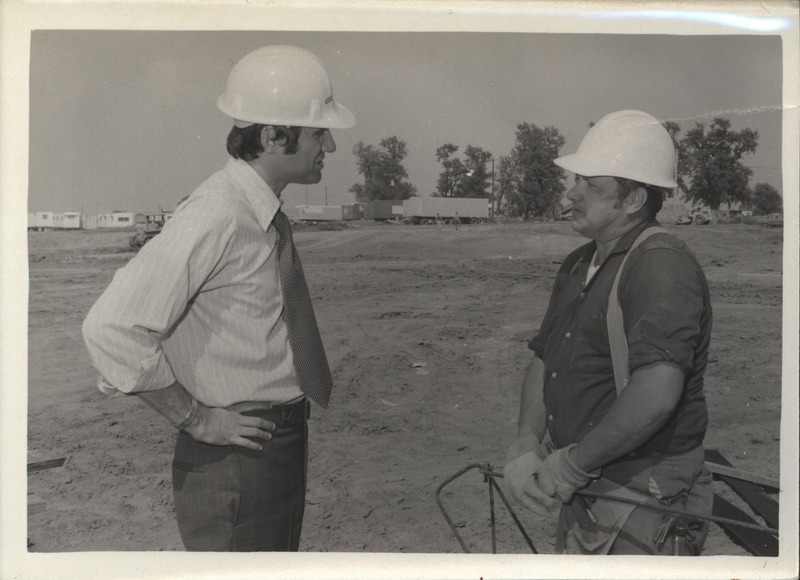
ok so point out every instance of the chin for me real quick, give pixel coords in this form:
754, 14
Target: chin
311, 179
578, 227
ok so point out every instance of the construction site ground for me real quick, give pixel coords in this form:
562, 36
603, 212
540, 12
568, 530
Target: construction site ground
426, 332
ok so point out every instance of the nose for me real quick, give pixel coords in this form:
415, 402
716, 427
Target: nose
572, 193
328, 144
576, 189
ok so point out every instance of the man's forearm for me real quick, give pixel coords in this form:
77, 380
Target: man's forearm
174, 402
638, 413
531, 408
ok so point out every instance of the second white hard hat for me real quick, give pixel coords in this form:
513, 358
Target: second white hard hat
629, 144
282, 85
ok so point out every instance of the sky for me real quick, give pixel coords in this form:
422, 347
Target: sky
127, 119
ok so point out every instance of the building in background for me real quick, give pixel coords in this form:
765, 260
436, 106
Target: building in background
89, 221
40, 221
117, 219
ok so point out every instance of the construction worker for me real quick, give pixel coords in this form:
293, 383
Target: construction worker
583, 429
211, 323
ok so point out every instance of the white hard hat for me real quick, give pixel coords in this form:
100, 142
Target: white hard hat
629, 144
282, 85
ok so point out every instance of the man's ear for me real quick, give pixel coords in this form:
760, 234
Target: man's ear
268, 139
636, 200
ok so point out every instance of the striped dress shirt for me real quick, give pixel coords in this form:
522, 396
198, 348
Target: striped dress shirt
201, 303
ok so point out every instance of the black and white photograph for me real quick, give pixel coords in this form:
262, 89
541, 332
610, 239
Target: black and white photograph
399, 290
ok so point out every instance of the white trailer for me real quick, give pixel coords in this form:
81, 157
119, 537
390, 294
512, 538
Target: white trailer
40, 221
69, 220
117, 219
427, 209
318, 213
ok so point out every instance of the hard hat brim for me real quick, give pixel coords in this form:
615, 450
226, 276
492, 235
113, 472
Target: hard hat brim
336, 117
580, 165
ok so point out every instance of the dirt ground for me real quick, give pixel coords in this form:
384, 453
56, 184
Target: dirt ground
426, 332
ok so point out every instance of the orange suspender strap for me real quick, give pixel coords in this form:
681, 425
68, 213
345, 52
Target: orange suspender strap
616, 326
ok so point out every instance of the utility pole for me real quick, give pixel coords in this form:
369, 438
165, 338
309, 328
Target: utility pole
326, 195
492, 205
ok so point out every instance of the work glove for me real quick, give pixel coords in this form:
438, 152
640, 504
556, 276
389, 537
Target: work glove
524, 458
559, 476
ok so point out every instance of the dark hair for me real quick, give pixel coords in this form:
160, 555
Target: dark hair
655, 194
245, 143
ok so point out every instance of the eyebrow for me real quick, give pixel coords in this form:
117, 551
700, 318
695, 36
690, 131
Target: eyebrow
590, 180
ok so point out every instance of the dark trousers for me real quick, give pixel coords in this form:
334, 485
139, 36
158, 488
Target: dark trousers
228, 498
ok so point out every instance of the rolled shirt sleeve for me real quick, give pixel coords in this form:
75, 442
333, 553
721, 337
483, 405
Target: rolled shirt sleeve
125, 328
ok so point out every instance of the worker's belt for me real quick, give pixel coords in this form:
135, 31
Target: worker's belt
288, 415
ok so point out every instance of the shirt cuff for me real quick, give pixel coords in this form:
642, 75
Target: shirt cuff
659, 350
154, 374
536, 344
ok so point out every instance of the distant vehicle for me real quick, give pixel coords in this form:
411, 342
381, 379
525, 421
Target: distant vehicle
684, 220
383, 209
318, 213
702, 216
424, 210
148, 226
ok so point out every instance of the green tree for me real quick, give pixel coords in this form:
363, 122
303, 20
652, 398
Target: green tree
383, 171
468, 178
674, 130
449, 182
765, 199
538, 183
505, 181
477, 180
711, 168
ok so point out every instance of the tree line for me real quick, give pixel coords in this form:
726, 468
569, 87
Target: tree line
526, 183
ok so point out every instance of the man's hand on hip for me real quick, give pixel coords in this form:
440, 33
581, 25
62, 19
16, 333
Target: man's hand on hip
218, 426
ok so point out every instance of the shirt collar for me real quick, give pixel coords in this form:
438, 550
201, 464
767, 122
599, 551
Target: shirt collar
264, 201
624, 243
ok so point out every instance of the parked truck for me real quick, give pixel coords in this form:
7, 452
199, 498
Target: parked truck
147, 227
318, 213
425, 210
353, 212
383, 209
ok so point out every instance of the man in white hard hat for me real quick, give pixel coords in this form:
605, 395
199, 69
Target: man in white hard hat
211, 323
638, 434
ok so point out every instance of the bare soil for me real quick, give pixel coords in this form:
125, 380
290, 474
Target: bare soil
426, 331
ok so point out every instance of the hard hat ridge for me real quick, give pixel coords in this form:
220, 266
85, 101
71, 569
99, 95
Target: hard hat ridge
629, 144
282, 85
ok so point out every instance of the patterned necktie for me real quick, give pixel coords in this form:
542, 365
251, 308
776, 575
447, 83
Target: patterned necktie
310, 362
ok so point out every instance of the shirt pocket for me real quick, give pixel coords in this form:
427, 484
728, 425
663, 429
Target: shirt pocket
592, 351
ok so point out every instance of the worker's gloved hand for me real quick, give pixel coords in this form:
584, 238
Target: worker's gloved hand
560, 476
524, 458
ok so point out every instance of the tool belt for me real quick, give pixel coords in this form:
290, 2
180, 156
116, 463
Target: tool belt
592, 527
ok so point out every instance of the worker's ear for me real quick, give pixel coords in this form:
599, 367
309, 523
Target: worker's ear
635, 200
269, 139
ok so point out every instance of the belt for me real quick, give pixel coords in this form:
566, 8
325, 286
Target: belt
288, 415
